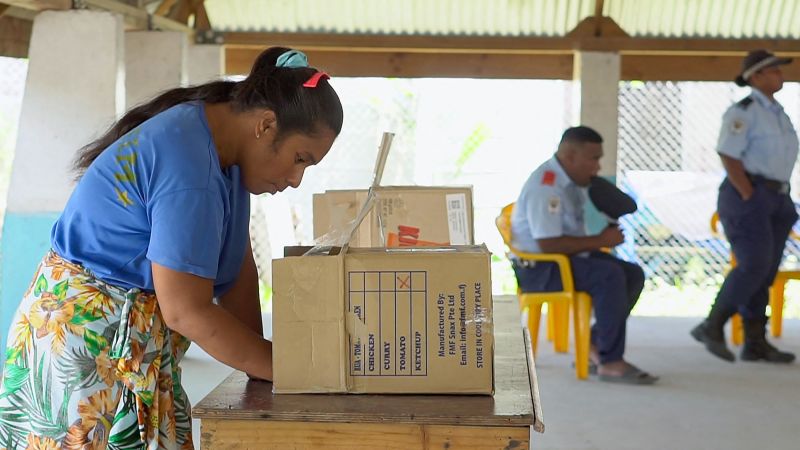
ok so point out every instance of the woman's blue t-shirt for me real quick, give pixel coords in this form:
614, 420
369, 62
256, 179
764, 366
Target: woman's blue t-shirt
158, 194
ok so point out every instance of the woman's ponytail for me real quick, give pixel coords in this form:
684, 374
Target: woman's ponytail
277, 81
214, 92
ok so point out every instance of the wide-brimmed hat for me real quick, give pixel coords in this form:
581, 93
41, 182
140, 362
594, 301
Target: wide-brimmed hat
755, 61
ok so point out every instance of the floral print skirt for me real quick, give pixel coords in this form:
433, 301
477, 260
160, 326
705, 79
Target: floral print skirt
91, 366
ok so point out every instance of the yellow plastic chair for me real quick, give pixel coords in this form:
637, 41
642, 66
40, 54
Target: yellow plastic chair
558, 302
776, 297
775, 292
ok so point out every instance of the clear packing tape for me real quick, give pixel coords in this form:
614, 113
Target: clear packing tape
341, 237
394, 216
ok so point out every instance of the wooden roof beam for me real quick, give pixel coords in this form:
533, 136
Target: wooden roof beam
17, 12
508, 45
390, 63
139, 16
15, 37
135, 17
201, 20
40, 5
164, 7
181, 11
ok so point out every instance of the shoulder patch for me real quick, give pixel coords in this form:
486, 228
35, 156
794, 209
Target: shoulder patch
737, 126
549, 178
554, 204
745, 102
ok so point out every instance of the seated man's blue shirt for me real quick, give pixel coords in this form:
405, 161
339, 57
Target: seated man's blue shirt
550, 205
158, 194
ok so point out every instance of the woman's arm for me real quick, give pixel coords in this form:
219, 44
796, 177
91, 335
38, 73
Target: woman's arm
186, 305
737, 176
242, 300
611, 236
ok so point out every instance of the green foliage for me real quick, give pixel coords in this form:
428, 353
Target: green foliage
265, 295
695, 273
503, 279
472, 143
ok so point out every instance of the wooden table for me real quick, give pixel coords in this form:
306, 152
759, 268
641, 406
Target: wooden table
242, 414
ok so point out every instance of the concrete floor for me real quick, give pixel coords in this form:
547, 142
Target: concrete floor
700, 403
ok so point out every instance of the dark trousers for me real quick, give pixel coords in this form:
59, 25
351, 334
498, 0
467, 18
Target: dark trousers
757, 230
614, 285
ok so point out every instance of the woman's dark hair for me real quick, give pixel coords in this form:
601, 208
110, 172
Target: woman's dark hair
298, 109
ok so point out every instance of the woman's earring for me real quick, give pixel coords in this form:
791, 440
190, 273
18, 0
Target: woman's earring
258, 134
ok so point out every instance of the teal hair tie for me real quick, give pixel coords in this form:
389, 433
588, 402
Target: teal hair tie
292, 59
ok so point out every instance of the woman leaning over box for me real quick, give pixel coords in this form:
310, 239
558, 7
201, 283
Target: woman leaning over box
158, 226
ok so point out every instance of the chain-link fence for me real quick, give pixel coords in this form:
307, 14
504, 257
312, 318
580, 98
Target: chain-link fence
667, 159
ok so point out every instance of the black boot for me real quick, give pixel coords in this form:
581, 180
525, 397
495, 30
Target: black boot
756, 347
711, 333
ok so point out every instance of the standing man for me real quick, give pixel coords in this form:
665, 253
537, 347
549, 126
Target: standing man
548, 218
758, 146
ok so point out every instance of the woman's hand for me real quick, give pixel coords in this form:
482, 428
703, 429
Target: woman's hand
186, 304
255, 378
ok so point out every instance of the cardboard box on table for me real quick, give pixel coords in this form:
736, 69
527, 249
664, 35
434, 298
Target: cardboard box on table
403, 216
376, 320
383, 320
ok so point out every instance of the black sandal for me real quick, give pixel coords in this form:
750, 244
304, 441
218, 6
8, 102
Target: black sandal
631, 375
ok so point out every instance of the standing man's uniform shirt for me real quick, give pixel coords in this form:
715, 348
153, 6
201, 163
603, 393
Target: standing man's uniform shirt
758, 132
550, 205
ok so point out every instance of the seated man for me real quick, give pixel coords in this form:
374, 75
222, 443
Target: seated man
548, 218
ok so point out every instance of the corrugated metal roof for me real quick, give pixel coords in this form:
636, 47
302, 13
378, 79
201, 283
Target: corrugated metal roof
432, 17
653, 18
737, 19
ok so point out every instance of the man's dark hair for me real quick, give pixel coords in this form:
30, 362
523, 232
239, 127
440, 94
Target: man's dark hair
581, 134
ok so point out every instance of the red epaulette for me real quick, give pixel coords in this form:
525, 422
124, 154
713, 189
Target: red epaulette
549, 178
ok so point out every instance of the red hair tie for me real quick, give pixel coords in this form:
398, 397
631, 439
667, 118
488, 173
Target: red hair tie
312, 82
